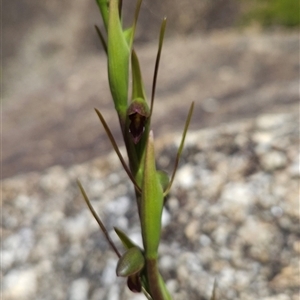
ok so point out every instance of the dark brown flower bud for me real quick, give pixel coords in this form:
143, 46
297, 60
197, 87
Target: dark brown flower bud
138, 113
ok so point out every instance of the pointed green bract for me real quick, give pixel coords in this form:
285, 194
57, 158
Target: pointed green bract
151, 203
131, 262
138, 90
126, 241
103, 7
118, 60
163, 179
128, 35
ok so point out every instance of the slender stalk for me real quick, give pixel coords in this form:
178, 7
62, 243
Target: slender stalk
157, 286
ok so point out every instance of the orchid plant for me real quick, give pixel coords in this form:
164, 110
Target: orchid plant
139, 266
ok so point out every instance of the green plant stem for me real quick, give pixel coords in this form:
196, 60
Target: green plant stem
157, 286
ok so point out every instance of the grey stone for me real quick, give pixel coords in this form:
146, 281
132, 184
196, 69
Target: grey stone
229, 217
79, 289
20, 284
273, 160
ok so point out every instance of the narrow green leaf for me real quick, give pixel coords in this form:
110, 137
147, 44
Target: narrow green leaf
115, 146
187, 123
102, 40
130, 32
136, 15
145, 285
160, 44
164, 289
214, 292
120, 9
103, 7
106, 234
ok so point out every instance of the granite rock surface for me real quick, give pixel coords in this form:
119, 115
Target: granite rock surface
233, 216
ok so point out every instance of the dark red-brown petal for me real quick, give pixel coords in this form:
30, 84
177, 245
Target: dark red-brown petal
137, 126
134, 283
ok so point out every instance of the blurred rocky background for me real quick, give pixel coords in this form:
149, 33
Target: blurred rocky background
54, 71
233, 214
